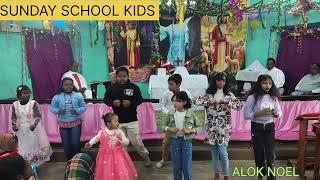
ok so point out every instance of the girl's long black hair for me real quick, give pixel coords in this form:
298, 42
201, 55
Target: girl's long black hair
182, 96
213, 86
66, 79
257, 90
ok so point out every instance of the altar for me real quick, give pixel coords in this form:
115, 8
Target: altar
247, 77
196, 84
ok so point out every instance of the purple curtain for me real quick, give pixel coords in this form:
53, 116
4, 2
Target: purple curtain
295, 63
48, 58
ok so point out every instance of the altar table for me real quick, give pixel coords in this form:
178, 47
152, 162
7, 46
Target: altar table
196, 84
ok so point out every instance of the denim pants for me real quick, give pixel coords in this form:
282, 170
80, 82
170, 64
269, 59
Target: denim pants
181, 154
220, 159
71, 140
263, 139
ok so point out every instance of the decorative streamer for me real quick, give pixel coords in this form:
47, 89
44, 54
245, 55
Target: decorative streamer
115, 34
90, 33
119, 37
269, 43
273, 46
7, 34
250, 29
81, 60
181, 11
34, 39
260, 15
22, 58
97, 35
79, 49
52, 29
285, 19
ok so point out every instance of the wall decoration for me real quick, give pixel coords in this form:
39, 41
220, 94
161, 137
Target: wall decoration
10, 26
226, 51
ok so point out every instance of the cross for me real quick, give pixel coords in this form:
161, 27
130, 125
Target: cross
178, 61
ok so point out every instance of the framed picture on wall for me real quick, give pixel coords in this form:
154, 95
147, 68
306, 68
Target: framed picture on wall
10, 26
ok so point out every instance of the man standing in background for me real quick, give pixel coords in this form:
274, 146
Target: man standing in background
79, 81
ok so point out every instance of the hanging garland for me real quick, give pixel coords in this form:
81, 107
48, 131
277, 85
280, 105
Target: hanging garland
24, 70
40, 33
260, 15
115, 29
236, 9
298, 33
279, 12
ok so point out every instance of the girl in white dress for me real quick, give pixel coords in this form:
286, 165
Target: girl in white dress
33, 143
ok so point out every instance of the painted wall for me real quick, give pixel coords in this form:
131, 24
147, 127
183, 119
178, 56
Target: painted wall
259, 40
94, 59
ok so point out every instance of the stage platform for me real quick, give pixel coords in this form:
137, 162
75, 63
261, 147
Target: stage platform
201, 151
201, 170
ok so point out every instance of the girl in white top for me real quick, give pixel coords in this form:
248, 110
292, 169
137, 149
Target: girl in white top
33, 143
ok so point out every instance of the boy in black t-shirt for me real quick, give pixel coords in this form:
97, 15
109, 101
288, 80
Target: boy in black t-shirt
124, 97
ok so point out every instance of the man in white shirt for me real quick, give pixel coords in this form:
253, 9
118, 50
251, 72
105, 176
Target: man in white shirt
310, 83
174, 83
276, 74
78, 80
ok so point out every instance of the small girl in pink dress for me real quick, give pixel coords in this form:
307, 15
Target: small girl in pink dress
113, 162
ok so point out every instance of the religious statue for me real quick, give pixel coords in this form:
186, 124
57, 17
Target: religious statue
221, 43
131, 35
179, 40
204, 66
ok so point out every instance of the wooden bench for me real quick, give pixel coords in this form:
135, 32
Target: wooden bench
302, 161
316, 130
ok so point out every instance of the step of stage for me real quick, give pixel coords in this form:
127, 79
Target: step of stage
201, 151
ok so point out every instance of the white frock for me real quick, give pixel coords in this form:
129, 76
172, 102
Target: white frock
33, 146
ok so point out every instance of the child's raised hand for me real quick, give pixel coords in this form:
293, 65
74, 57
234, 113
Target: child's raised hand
267, 111
212, 103
126, 103
173, 129
116, 103
119, 137
62, 111
264, 112
275, 114
32, 127
73, 111
187, 130
87, 145
14, 128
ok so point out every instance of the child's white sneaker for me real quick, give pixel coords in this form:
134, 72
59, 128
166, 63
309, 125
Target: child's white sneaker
160, 164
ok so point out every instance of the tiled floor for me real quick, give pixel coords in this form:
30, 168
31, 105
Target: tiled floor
201, 171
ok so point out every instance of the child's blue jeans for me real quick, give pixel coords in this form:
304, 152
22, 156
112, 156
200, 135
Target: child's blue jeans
181, 154
220, 159
70, 138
